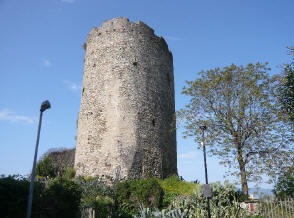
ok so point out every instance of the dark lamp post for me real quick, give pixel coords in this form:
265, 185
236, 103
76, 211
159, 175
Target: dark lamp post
44, 106
203, 128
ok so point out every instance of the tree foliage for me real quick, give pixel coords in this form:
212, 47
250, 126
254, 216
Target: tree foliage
287, 87
240, 109
62, 159
284, 188
56, 162
44, 168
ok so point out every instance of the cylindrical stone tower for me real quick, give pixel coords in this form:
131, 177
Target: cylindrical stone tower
125, 122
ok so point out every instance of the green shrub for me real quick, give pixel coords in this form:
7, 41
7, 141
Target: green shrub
98, 196
126, 210
104, 207
69, 173
173, 184
14, 191
223, 203
168, 198
62, 198
59, 198
135, 193
93, 187
225, 194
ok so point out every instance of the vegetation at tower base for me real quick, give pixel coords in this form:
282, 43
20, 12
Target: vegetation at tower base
14, 195
224, 203
98, 196
245, 126
57, 197
62, 198
77, 197
127, 197
286, 88
134, 193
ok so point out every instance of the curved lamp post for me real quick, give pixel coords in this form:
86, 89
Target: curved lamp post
44, 106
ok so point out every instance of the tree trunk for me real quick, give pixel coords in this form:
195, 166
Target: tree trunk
243, 179
242, 172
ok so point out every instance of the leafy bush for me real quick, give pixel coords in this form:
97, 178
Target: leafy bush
62, 198
96, 195
134, 193
58, 198
168, 198
127, 210
14, 191
173, 186
104, 207
223, 203
225, 194
69, 173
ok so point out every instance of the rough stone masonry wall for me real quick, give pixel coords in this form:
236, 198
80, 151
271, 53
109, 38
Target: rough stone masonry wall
127, 105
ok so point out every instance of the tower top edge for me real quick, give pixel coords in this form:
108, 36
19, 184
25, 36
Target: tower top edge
123, 23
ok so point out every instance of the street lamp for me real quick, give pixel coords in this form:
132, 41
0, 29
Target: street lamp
207, 191
44, 106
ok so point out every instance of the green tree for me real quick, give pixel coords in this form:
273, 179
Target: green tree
286, 88
61, 159
44, 168
239, 107
284, 188
56, 162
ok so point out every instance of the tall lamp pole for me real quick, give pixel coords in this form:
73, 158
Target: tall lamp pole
44, 106
203, 128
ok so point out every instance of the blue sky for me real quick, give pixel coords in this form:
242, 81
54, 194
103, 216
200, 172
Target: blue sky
41, 57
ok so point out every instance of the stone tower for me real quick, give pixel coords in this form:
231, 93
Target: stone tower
127, 104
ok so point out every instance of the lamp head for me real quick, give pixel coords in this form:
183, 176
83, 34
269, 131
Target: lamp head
45, 105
